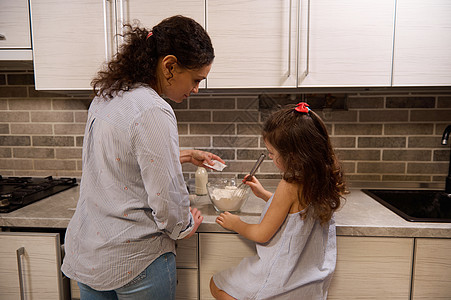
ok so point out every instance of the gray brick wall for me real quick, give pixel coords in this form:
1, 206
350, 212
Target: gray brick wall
384, 135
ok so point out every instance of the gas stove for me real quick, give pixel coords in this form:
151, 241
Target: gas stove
17, 192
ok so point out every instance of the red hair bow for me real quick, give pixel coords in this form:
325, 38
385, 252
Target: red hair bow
302, 107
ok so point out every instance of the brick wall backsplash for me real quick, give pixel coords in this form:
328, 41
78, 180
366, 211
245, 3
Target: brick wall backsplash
382, 135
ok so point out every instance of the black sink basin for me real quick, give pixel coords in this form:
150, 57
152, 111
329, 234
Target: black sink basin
415, 205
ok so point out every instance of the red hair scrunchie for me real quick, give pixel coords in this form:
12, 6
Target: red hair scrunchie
302, 107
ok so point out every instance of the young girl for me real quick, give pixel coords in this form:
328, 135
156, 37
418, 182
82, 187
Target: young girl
296, 242
133, 205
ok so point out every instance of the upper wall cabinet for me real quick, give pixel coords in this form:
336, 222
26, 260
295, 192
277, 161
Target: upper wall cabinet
70, 42
151, 13
258, 43
15, 39
422, 52
346, 43
254, 41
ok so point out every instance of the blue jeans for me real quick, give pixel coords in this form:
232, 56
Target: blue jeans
158, 281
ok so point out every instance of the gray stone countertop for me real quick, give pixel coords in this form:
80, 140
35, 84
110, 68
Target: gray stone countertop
359, 216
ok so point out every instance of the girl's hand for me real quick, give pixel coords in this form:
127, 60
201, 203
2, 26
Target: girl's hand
197, 218
228, 220
198, 157
257, 188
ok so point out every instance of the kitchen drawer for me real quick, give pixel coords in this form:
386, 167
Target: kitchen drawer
187, 284
74, 290
220, 251
372, 268
432, 269
187, 252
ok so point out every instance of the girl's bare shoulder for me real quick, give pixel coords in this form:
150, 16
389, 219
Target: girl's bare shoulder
291, 195
288, 190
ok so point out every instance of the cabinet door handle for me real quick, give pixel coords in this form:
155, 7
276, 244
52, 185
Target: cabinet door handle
289, 38
308, 40
2, 37
110, 26
307, 44
105, 28
121, 22
19, 253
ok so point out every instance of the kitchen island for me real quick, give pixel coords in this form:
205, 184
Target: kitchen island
380, 255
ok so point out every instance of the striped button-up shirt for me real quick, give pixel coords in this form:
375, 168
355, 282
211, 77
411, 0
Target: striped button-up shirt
133, 199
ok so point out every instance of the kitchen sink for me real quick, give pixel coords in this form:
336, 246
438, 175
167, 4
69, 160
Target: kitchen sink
415, 205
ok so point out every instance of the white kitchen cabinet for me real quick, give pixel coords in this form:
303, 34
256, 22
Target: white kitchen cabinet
71, 40
422, 43
187, 269
254, 41
372, 268
74, 290
219, 251
432, 269
187, 285
15, 38
151, 13
186, 250
30, 262
345, 43
258, 43
367, 267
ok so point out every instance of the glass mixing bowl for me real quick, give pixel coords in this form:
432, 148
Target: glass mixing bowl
221, 194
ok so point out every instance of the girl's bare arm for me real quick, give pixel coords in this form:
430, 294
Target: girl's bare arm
282, 201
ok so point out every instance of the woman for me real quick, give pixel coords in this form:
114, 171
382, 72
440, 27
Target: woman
120, 243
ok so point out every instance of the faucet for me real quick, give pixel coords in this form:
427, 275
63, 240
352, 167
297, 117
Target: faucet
444, 142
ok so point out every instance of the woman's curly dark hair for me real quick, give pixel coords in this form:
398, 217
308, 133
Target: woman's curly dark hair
135, 63
308, 157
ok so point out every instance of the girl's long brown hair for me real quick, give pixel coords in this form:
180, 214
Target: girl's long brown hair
309, 159
136, 62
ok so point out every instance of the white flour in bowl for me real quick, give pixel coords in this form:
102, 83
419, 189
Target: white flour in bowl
224, 200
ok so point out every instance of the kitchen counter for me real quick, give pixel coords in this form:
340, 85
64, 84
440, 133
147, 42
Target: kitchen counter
359, 216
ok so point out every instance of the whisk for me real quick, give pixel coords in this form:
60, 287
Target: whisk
240, 192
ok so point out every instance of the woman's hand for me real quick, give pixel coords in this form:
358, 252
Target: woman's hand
198, 157
228, 220
197, 218
257, 188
